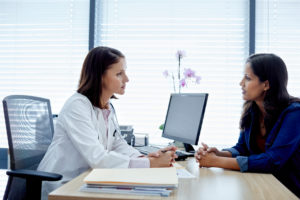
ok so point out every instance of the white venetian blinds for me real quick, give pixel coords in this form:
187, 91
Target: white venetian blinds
214, 35
278, 31
42, 47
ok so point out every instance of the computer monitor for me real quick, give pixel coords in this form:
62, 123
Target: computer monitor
184, 118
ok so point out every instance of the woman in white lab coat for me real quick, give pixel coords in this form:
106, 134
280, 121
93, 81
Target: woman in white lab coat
87, 133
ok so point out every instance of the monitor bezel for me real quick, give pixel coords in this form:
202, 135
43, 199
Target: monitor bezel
180, 139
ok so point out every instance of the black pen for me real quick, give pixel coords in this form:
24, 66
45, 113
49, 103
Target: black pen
114, 134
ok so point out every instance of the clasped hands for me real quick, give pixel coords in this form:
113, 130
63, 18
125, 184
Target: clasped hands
163, 157
207, 156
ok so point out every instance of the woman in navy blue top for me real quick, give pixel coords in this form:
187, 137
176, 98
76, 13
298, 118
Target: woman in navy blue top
269, 140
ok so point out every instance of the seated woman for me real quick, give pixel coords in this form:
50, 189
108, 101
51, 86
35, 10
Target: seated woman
87, 133
269, 140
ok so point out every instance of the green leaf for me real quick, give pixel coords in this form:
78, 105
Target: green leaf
161, 127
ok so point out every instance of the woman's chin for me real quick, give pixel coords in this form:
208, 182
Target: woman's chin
121, 92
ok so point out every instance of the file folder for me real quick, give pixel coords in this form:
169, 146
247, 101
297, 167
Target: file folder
155, 177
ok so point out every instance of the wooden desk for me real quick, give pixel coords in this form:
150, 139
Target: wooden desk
210, 183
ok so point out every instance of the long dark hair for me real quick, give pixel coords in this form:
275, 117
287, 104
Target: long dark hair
269, 67
97, 61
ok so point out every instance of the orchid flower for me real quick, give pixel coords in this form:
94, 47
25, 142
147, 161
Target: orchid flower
188, 74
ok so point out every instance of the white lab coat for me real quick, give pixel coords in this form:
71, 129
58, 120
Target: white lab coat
80, 142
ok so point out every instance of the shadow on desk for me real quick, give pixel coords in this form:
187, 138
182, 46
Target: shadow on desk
210, 183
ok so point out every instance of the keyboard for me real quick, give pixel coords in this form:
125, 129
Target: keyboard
182, 155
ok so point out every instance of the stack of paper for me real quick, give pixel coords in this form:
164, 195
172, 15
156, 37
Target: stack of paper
142, 181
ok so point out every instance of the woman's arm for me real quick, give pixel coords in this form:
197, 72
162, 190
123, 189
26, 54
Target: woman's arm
212, 157
212, 160
284, 142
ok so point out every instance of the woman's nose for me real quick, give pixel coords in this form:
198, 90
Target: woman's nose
126, 78
241, 83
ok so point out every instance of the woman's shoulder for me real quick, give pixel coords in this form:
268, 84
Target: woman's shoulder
292, 109
293, 106
77, 100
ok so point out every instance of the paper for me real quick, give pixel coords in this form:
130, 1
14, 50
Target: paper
134, 176
126, 190
177, 166
183, 173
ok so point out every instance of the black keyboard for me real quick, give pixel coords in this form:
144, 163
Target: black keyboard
182, 155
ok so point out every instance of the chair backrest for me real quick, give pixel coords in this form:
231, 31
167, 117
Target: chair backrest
29, 127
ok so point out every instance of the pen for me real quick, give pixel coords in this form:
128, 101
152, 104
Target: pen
164, 151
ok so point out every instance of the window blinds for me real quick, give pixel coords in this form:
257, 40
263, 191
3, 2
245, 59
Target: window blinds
214, 35
278, 31
42, 47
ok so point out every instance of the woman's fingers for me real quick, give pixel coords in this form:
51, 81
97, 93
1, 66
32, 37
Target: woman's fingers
205, 146
154, 154
169, 148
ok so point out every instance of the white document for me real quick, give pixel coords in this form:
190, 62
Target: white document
183, 173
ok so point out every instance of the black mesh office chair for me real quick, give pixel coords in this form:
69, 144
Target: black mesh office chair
29, 127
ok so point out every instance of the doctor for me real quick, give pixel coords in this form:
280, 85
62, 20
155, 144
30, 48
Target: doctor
87, 133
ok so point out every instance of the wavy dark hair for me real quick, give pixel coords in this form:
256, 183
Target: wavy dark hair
97, 61
272, 68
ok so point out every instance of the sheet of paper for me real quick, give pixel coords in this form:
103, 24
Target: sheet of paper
183, 173
177, 166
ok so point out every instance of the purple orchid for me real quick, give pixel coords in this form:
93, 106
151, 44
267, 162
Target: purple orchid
188, 73
166, 73
180, 54
182, 83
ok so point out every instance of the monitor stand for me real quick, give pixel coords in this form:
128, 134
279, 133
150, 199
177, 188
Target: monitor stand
189, 148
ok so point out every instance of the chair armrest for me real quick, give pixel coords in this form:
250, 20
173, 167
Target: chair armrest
33, 174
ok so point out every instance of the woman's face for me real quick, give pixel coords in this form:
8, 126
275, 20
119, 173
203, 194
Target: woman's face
114, 79
253, 89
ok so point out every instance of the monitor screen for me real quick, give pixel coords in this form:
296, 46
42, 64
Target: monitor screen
184, 117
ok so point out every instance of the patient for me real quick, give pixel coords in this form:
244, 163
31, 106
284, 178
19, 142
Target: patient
269, 140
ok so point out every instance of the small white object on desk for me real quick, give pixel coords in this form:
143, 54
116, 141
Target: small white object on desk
182, 173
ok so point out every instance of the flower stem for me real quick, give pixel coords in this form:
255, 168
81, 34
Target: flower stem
179, 72
173, 78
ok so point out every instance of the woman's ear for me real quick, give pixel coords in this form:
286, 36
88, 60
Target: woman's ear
267, 85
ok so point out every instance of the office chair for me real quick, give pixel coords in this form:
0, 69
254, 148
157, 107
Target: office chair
29, 127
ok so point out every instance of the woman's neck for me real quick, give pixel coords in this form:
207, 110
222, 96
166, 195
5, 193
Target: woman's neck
104, 99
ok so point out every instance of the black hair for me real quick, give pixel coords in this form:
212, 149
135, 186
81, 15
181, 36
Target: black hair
271, 68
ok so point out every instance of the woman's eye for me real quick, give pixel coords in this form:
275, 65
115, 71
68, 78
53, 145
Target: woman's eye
119, 74
247, 78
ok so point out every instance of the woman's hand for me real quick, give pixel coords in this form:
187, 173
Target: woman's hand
202, 151
163, 157
168, 148
208, 160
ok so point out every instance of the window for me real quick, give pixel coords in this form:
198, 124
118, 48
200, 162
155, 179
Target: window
214, 35
278, 32
43, 44
42, 47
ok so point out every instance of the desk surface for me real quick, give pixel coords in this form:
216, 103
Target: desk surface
210, 183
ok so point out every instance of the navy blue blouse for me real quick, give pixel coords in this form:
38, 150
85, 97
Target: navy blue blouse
282, 150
